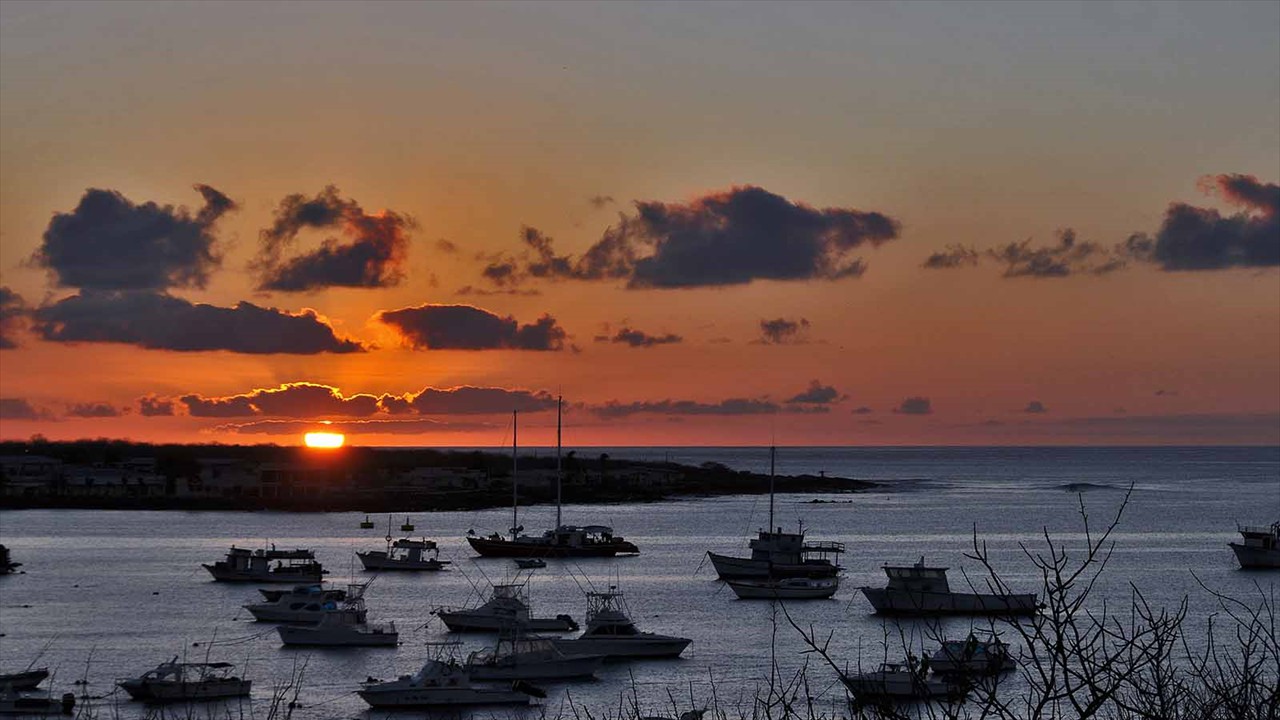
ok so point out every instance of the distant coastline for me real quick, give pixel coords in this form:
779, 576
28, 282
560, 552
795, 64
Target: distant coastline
119, 475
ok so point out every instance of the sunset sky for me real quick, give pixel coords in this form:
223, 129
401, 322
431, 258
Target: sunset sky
702, 223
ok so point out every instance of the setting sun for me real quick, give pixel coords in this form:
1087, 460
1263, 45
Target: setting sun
324, 439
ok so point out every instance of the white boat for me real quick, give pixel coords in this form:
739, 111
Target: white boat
530, 658
404, 554
441, 683
506, 610
921, 590
34, 706
291, 566
972, 657
789, 588
1259, 547
561, 542
611, 632
899, 681
777, 554
301, 604
344, 626
181, 682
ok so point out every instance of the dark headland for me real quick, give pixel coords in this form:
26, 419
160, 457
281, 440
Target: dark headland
121, 475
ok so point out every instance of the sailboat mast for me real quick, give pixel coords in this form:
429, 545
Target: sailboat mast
515, 499
559, 475
773, 451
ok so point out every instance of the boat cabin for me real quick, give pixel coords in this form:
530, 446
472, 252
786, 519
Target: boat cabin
607, 615
917, 578
1261, 537
791, 549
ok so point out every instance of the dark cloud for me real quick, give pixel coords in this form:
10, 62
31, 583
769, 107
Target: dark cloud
1035, 407
468, 400
94, 410
782, 331
720, 239
21, 409
155, 406
732, 406
446, 247
817, 394
109, 243
599, 202
349, 427
162, 322
466, 327
371, 258
639, 338
1069, 256
954, 256
14, 314
469, 290
915, 406
862, 410
1192, 238
295, 400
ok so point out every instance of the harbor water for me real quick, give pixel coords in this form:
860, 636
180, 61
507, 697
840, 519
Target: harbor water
109, 594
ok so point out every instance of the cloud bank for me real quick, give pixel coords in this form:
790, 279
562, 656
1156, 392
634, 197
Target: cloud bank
466, 327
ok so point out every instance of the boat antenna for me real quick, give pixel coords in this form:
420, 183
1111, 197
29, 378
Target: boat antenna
559, 474
515, 499
773, 452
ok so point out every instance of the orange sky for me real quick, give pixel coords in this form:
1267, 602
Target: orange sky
741, 153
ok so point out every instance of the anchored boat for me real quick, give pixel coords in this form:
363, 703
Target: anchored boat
973, 657
611, 632
506, 610
244, 565
787, 588
900, 681
921, 590
300, 604
407, 554
1259, 547
345, 626
443, 683
530, 658
182, 682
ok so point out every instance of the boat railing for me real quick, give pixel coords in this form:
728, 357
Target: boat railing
1258, 529
823, 546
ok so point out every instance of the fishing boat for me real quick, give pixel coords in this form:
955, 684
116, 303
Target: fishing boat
611, 632
7, 565
244, 565
441, 683
776, 554
27, 679
345, 626
922, 590
786, 588
560, 542
404, 554
506, 610
972, 657
173, 681
1259, 547
900, 681
514, 657
331, 593
13, 702
302, 604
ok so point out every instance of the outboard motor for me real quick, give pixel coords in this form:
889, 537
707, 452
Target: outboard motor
68, 703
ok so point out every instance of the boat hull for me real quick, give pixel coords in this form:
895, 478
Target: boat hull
225, 574
441, 697
659, 646
1256, 558
913, 602
166, 692
734, 568
872, 686
568, 668
464, 621
378, 561
488, 547
768, 590
26, 680
319, 637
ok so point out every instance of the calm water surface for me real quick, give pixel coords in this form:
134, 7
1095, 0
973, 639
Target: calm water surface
110, 594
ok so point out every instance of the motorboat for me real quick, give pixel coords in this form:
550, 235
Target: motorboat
343, 626
442, 683
244, 565
530, 563
564, 541
27, 679
530, 658
611, 632
13, 702
404, 554
175, 681
1259, 547
506, 610
922, 590
7, 565
972, 657
776, 554
787, 588
301, 604
900, 681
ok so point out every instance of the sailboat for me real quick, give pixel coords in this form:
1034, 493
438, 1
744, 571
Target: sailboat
561, 542
776, 554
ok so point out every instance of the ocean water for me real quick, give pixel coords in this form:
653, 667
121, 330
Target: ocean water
109, 594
